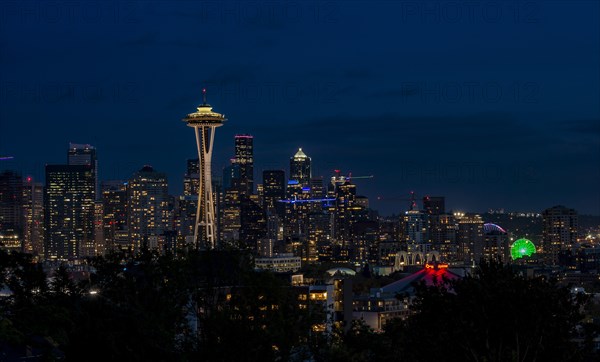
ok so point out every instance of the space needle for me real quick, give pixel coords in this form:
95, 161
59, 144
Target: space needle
205, 121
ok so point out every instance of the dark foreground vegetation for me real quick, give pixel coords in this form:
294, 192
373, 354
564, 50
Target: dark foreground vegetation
212, 306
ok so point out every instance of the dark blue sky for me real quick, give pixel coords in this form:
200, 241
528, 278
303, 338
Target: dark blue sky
491, 104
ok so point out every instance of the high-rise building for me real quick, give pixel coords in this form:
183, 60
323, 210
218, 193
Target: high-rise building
186, 205
442, 233
253, 222
191, 179
231, 222
560, 230
98, 247
69, 210
345, 211
273, 191
296, 210
147, 209
84, 154
11, 202
114, 219
317, 192
205, 121
469, 236
33, 214
231, 176
495, 242
11, 216
319, 235
300, 169
244, 156
415, 228
184, 216
364, 242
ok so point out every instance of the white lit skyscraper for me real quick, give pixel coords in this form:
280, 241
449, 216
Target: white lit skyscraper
300, 168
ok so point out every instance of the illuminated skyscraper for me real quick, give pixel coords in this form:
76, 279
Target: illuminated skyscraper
273, 191
345, 210
300, 168
11, 216
11, 201
205, 121
469, 237
33, 213
114, 219
69, 210
559, 231
253, 222
244, 156
191, 180
147, 208
495, 242
84, 154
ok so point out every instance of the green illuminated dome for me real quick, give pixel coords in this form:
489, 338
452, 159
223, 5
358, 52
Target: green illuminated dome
521, 248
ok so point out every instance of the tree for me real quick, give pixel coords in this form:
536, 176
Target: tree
493, 315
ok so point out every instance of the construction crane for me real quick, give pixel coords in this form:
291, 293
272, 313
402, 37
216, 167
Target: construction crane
295, 200
412, 199
341, 178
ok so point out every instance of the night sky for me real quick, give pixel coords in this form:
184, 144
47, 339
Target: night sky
491, 104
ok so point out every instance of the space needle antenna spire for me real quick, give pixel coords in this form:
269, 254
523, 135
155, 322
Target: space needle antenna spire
204, 122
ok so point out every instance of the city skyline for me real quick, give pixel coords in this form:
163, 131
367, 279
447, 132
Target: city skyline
492, 106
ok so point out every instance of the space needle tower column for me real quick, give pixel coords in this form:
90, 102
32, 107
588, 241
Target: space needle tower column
205, 121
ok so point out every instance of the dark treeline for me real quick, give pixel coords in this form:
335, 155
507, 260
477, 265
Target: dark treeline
212, 306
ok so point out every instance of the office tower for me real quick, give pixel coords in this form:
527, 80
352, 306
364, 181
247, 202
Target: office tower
69, 210
300, 168
495, 243
33, 214
273, 191
184, 218
442, 233
84, 154
185, 206
114, 219
365, 242
260, 192
147, 208
205, 122
296, 210
191, 179
345, 210
244, 157
11, 203
253, 222
319, 236
11, 215
230, 215
98, 247
317, 188
434, 205
232, 176
469, 237
415, 230
560, 229
317, 192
